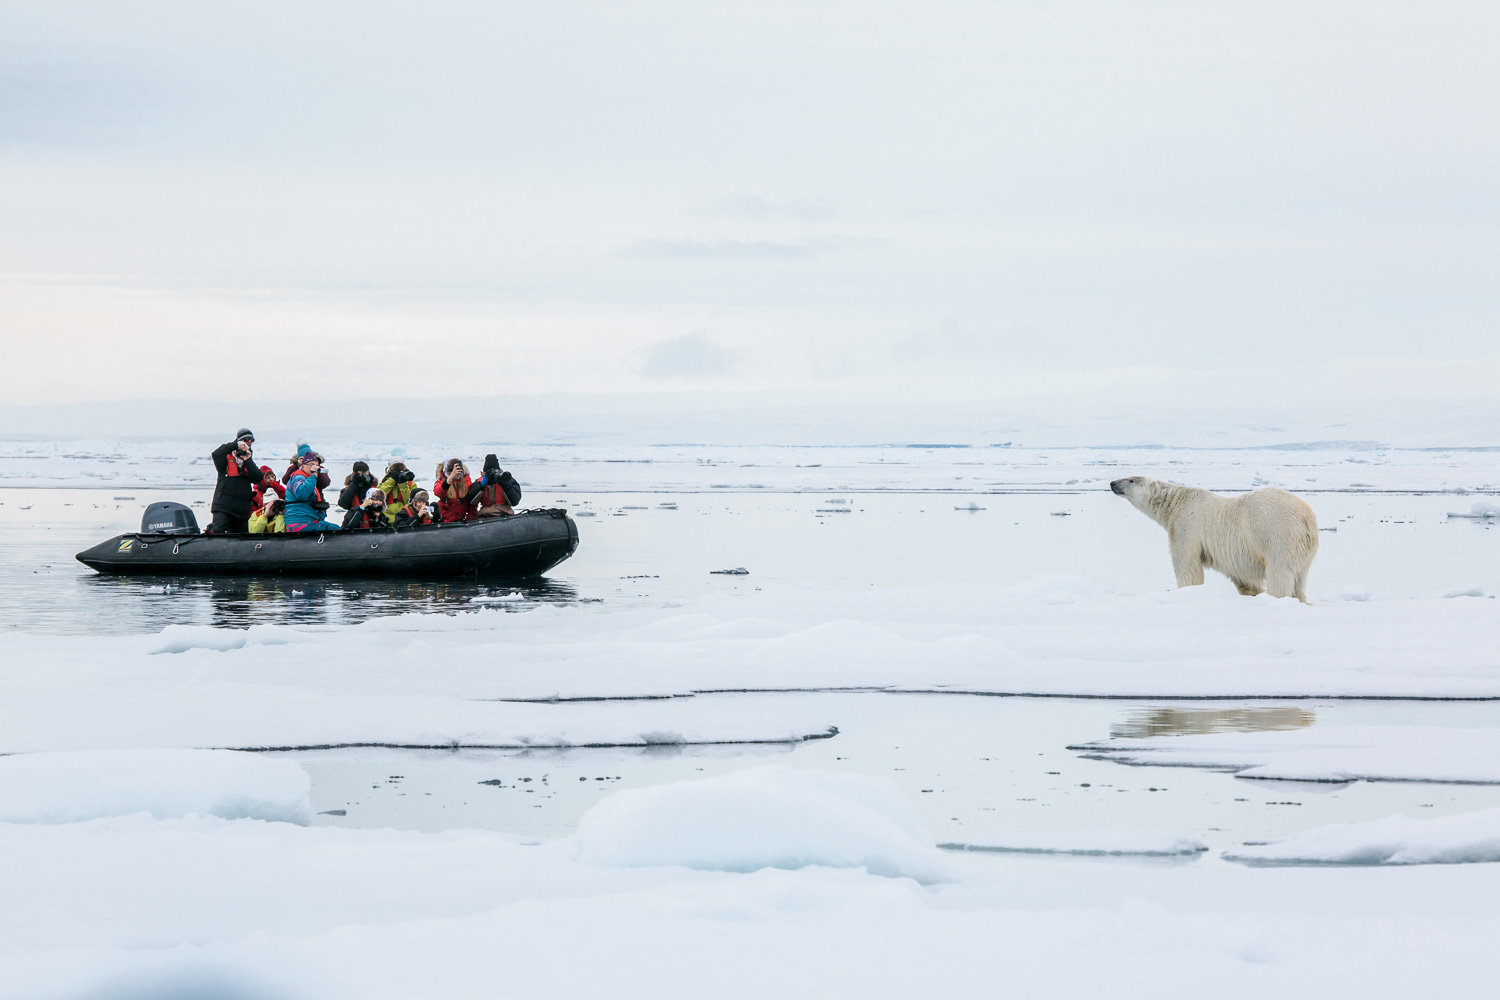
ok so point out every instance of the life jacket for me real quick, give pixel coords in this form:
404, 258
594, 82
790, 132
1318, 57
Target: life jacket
232, 464
407, 511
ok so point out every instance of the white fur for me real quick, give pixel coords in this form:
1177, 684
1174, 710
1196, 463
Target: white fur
1265, 540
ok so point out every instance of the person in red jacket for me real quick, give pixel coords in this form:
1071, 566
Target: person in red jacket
452, 492
266, 485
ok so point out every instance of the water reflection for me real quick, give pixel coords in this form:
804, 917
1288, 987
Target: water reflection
149, 603
1146, 722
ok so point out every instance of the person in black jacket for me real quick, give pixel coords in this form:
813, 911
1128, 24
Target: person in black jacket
496, 492
234, 494
368, 515
356, 485
415, 513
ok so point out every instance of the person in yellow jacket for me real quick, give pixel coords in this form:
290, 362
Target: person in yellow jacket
270, 519
398, 485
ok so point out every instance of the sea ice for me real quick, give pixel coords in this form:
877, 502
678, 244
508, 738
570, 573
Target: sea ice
763, 817
1143, 843
72, 786
1395, 840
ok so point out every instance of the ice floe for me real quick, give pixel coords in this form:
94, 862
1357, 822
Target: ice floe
72, 786
1395, 840
1140, 843
763, 817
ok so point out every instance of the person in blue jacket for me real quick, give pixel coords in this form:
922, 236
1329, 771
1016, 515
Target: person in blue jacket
304, 499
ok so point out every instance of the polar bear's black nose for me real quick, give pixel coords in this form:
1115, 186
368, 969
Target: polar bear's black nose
1117, 487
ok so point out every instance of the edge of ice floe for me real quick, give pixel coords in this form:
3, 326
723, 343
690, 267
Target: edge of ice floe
645, 740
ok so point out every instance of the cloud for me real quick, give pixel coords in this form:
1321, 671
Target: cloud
687, 357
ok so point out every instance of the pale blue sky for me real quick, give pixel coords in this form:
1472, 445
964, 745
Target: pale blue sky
1038, 200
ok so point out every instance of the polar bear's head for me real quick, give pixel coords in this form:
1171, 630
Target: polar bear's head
1145, 494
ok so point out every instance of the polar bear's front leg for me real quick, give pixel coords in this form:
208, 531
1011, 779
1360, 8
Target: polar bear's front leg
1187, 560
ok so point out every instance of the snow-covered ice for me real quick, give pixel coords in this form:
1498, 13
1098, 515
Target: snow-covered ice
763, 817
1395, 840
76, 785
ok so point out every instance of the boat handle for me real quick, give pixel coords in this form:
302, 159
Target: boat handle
374, 545
320, 539
257, 546
174, 547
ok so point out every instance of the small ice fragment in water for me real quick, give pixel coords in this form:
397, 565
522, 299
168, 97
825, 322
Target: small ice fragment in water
972, 506
737, 571
509, 598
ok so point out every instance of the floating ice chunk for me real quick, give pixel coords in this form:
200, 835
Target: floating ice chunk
1395, 840
737, 571
1146, 843
514, 597
181, 638
763, 817
1480, 511
76, 785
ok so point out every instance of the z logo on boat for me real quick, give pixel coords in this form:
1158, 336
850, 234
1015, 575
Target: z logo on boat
127, 544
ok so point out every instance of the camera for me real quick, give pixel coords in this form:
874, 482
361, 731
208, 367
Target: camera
362, 481
404, 476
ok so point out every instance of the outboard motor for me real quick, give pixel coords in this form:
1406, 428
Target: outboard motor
168, 518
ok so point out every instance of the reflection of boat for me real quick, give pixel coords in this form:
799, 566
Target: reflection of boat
523, 544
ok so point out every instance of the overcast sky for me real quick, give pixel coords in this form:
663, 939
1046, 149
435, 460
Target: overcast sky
1251, 203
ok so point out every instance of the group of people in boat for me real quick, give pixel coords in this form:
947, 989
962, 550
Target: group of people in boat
251, 498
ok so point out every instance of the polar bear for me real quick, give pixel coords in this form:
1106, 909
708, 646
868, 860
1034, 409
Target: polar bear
1265, 540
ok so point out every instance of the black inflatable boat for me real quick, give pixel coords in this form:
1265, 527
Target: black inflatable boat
525, 544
